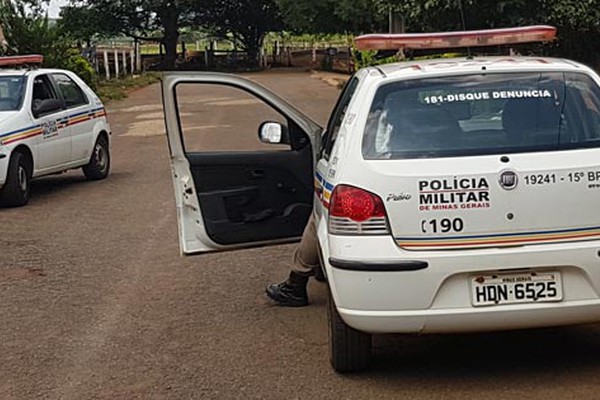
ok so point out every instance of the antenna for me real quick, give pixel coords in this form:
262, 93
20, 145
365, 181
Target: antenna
464, 23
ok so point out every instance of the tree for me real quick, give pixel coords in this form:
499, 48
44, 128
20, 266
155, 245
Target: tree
27, 30
246, 22
578, 25
578, 21
84, 24
139, 19
332, 16
310, 16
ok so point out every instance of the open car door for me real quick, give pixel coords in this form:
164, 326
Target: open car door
248, 197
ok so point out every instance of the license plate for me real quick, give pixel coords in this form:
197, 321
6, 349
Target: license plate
531, 287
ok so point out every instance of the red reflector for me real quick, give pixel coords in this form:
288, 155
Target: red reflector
13, 61
356, 204
449, 40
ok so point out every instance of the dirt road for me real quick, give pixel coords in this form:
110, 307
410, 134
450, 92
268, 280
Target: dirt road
96, 303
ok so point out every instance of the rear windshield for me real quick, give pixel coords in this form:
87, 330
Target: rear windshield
483, 114
11, 92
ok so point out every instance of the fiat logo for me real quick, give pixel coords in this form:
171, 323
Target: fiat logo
508, 180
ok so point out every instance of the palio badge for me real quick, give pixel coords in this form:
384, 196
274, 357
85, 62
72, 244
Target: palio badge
399, 197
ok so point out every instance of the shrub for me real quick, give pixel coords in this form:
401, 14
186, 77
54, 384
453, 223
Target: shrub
82, 67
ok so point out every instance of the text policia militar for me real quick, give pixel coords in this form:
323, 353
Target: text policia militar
494, 95
453, 194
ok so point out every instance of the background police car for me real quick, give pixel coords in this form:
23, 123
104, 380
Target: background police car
50, 121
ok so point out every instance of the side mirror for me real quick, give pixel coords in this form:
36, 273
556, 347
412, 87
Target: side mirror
47, 106
273, 133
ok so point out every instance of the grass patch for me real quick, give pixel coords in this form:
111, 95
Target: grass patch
117, 89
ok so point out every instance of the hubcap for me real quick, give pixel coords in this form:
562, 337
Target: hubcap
22, 178
101, 157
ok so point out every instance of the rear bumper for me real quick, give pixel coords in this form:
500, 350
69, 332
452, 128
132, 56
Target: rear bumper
474, 320
437, 299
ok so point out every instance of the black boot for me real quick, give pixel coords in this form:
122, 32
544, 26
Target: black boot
291, 292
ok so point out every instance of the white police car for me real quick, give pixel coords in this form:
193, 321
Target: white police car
450, 195
50, 121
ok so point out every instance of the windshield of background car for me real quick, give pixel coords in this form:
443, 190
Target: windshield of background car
12, 89
483, 114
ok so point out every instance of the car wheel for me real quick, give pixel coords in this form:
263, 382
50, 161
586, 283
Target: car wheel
99, 164
349, 349
15, 192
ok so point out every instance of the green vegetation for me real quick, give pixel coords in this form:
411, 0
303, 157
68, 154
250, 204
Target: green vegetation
118, 89
78, 64
27, 31
246, 23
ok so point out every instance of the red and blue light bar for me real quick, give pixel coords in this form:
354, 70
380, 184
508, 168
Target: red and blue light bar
21, 61
459, 39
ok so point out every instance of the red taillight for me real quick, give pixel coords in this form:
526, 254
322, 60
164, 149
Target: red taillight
356, 204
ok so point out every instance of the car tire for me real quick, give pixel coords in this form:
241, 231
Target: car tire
15, 192
99, 165
349, 349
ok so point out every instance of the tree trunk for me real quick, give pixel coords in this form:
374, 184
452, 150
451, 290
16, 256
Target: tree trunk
171, 28
252, 43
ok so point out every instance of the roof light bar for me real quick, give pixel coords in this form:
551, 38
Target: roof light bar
21, 61
448, 40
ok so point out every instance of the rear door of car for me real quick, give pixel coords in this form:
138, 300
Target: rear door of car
80, 116
248, 197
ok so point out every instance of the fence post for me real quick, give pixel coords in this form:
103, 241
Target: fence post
132, 59
106, 65
116, 63
138, 56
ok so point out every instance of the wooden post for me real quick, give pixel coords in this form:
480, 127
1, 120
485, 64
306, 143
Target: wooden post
138, 56
124, 63
132, 59
106, 65
116, 63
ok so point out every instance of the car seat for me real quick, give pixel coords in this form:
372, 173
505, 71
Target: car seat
531, 121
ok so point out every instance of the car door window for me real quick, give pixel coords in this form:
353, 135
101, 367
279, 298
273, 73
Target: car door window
11, 92
42, 90
72, 94
223, 118
337, 116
